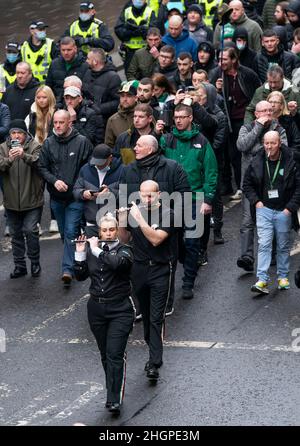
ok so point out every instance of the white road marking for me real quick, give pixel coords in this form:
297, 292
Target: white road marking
29, 335
43, 411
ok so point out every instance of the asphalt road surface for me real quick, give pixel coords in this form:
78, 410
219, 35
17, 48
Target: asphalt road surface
228, 360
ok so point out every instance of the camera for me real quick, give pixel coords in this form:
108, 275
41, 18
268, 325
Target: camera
15, 143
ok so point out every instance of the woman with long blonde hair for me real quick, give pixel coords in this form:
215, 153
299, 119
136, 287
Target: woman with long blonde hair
39, 121
287, 121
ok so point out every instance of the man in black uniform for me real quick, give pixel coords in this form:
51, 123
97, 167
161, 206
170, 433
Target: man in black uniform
154, 249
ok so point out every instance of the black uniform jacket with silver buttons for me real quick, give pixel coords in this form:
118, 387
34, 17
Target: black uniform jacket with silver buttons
109, 273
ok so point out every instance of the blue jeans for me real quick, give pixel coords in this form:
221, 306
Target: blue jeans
68, 217
268, 223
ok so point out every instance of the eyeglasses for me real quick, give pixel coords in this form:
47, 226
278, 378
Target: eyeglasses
179, 118
275, 102
165, 57
266, 110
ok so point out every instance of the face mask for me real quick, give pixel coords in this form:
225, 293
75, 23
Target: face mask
12, 57
138, 3
240, 46
84, 17
41, 35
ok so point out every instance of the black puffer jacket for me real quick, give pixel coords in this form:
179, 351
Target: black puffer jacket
102, 87
58, 72
285, 59
109, 273
89, 124
61, 159
19, 100
289, 124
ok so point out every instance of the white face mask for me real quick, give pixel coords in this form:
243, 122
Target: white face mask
240, 46
138, 3
84, 17
105, 169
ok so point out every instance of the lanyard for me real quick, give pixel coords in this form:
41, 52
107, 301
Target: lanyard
275, 173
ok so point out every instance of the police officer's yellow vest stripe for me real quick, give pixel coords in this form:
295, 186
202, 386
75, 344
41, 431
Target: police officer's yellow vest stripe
209, 10
92, 31
154, 5
39, 71
5, 77
137, 42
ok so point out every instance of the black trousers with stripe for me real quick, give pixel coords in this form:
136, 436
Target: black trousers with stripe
151, 284
111, 324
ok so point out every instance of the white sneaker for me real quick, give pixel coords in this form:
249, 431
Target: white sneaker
169, 312
40, 229
237, 196
6, 231
53, 226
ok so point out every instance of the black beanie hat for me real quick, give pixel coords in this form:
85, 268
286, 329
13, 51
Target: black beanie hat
18, 124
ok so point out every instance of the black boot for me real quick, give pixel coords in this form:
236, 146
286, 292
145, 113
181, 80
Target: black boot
18, 272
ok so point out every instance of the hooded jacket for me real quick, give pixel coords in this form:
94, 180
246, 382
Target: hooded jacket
193, 151
254, 32
287, 60
60, 69
212, 63
247, 56
23, 188
19, 100
202, 33
88, 179
103, 86
61, 159
183, 43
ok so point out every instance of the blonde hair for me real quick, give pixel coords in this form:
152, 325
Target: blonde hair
284, 110
109, 217
43, 119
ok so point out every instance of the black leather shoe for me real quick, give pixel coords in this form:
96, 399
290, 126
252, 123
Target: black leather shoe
153, 373
107, 404
18, 272
218, 238
245, 262
67, 279
35, 269
115, 408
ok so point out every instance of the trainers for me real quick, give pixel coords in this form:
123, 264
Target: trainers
40, 229
260, 287
212, 222
202, 258
283, 284
53, 226
237, 196
245, 262
218, 238
138, 317
6, 231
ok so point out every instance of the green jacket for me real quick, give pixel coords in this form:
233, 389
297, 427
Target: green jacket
23, 187
193, 151
142, 65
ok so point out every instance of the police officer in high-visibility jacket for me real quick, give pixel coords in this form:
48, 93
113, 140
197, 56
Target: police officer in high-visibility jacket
132, 27
90, 32
38, 51
8, 67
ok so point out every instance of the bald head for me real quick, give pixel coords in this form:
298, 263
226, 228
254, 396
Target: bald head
237, 10
272, 145
149, 193
23, 74
62, 123
263, 110
149, 185
73, 81
175, 26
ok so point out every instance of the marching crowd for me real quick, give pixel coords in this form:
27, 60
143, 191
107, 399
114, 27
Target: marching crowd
210, 107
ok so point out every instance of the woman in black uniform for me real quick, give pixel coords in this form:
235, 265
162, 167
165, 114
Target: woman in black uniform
110, 308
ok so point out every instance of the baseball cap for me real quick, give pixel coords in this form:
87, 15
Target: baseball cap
38, 24
129, 87
86, 5
72, 91
13, 46
100, 155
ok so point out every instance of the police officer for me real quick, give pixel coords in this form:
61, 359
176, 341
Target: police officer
110, 307
154, 250
132, 27
8, 68
38, 50
90, 32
